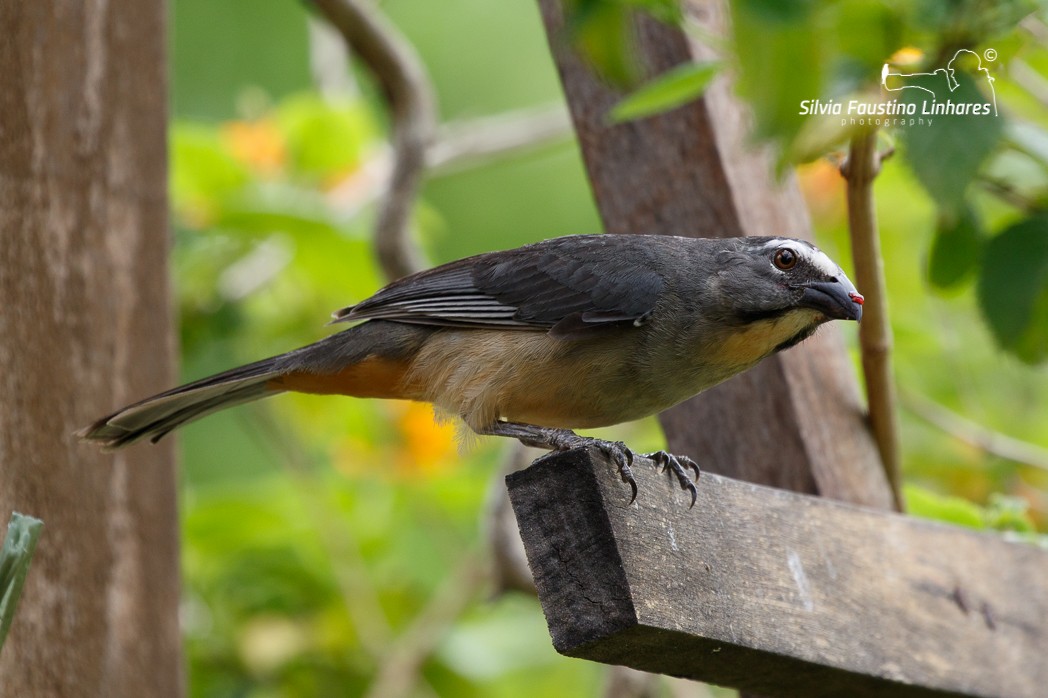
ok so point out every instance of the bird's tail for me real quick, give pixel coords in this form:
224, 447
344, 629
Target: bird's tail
368, 360
155, 416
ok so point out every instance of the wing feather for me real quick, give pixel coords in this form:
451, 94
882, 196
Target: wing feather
575, 284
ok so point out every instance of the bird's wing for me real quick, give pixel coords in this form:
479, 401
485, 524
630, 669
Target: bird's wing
568, 286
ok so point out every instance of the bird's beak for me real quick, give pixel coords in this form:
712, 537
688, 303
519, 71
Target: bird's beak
837, 299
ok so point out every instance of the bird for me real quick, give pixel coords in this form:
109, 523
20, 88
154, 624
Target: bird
531, 343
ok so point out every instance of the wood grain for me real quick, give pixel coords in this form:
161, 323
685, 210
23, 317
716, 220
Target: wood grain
776, 592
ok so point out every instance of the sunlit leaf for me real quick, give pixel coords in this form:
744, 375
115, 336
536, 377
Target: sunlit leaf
956, 249
203, 172
1028, 138
1003, 513
325, 138
1006, 513
1013, 288
926, 504
670, 90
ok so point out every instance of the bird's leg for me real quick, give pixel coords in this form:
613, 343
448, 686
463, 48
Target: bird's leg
565, 440
616, 451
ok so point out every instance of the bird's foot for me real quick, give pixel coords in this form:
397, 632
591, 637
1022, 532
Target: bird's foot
615, 451
679, 465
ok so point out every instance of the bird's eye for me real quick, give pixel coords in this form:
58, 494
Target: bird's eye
785, 258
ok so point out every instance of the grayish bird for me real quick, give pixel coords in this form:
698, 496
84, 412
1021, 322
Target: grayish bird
574, 332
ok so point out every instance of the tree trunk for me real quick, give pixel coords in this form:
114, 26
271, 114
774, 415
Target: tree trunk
85, 325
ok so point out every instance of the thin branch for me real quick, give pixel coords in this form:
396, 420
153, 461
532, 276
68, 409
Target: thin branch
329, 60
1023, 75
1006, 192
460, 145
402, 668
359, 595
875, 336
475, 142
403, 79
975, 434
623, 682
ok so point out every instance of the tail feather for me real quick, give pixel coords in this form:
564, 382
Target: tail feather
154, 417
332, 356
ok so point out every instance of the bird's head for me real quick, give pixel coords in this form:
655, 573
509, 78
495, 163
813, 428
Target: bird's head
777, 291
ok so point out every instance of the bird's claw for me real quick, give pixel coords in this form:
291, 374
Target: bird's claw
621, 455
616, 451
679, 465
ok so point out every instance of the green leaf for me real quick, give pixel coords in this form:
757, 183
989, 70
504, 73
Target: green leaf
946, 151
672, 89
1004, 513
1013, 288
203, 172
926, 504
956, 249
602, 32
781, 63
15, 555
325, 138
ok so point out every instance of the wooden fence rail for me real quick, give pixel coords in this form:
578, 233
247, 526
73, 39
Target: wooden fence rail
776, 592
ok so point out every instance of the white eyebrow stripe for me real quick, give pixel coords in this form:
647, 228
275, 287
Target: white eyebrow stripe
816, 257
822, 262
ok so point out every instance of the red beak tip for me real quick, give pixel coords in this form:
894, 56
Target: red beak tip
857, 298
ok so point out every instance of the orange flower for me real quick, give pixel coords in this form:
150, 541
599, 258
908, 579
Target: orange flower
428, 445
257, 144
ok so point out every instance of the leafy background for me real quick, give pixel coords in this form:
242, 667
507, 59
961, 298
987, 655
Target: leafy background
319, 533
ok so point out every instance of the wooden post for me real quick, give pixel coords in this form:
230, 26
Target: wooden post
795, 421
776, 592
85, 325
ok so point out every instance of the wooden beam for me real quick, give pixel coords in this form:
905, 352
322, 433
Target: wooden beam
771, 591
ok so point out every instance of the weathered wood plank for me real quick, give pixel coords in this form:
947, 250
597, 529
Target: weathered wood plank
771, 591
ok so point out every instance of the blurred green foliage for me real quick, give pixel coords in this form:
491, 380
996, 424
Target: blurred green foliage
835, 52
673, 88
791, 53
318, 531
16, 553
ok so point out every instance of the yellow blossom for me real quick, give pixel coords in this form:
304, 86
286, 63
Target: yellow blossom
907, 55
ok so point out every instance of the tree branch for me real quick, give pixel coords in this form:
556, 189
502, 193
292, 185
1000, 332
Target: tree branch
402, 668
473, 142
875, 337
975, 434
403, 80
